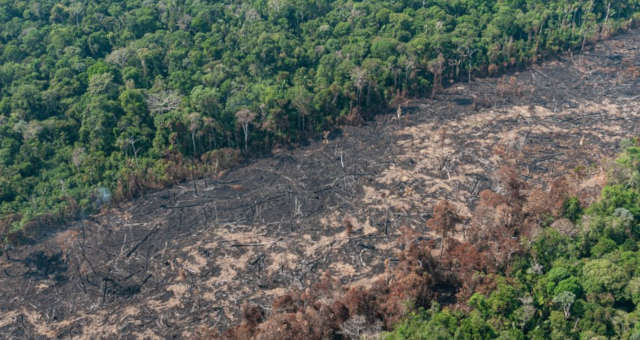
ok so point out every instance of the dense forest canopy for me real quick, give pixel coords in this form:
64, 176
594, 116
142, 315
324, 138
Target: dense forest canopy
113, 96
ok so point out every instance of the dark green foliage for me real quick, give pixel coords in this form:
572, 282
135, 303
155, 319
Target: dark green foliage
582, 287
571, 209
94, 94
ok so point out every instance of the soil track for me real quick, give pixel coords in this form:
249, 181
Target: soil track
177, 260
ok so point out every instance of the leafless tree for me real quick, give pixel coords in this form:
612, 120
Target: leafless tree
359, 78
119, 57
195, 125
357, 327
163, 101
436, 67
244, 117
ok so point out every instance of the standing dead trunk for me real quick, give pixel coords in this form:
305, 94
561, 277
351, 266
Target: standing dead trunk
244, 117
245, 129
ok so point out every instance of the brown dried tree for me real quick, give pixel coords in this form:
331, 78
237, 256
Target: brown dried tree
444, 221
513, 193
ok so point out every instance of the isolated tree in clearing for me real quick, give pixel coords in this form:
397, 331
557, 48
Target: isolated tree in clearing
444, 221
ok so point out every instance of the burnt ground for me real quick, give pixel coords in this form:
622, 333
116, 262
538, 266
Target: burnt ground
176, 261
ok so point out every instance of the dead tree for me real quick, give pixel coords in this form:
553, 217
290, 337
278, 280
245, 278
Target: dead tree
244, 117
436, 67
163, 101
444, 221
